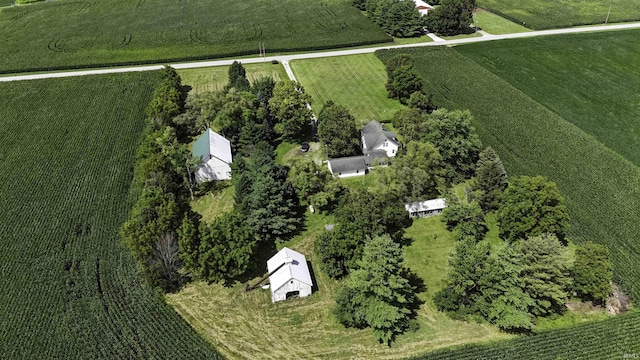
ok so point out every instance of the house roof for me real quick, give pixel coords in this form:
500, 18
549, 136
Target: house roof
374, 134
295, 268
434, 204
214, 144
422, 4
353, 163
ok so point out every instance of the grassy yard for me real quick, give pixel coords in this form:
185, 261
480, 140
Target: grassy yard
356, 82
495, 24
67, 34
242, 324
545, 14
215, 78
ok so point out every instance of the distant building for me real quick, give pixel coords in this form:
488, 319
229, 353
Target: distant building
356, 165
423, 7
375, 137
215, 152
425, 208
289, 275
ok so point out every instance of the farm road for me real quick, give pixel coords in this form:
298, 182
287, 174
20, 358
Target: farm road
311, 55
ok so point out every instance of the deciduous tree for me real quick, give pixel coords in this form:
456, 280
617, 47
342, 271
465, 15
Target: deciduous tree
289, 109
337, 131
532, 206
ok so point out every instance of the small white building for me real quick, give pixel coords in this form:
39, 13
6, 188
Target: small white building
375, 137
423, 7
215, 152
425, 208
289, 275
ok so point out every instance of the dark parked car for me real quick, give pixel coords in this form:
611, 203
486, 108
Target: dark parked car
304, 147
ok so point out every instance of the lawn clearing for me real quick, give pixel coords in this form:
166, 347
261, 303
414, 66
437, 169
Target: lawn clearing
69, 34
495, 24
69, 288
601, 189
356, 82
546, 14
242, 325
215, 78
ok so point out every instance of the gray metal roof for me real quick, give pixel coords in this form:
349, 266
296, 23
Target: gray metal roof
353, 163
374, 134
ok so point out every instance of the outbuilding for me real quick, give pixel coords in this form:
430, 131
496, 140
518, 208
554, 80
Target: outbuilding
289, 275
423, 7
215, 152
425, 208
357, 165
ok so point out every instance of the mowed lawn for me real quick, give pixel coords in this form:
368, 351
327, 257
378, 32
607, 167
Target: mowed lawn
495, 24
356, 82
590, 80
545, 14
69, 287
247, 325
84, 33
215, 78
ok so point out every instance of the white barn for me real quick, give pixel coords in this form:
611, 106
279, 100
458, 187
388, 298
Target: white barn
423, 7
375, 137
215, 152
425, 208
289, 275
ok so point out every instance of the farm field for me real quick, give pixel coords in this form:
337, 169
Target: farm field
241, 325
600, 185
546, 14
6, 2
67, 34
590, 80
356, 82
215, 78
69, 288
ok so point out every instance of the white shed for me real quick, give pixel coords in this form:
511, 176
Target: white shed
215, 152
289, 275
425, 208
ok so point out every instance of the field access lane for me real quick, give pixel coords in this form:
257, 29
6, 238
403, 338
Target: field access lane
321, 54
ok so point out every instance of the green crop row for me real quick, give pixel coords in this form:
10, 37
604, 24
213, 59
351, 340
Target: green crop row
75, 34
547, 14
601, 187
68, 287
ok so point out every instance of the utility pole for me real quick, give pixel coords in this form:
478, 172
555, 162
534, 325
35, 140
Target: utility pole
608, 13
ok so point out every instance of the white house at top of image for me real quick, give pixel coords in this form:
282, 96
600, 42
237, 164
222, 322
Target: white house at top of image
215, 152
425, 208
375, 137
289, 275
423, 7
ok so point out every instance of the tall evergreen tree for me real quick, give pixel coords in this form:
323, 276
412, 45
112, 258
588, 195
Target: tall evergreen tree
592, 272
237, 78
491, 179
377, 295
272, 204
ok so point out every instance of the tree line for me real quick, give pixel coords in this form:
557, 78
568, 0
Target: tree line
170, 241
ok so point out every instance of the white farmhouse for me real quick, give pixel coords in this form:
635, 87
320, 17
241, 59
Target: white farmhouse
425, 208
375, 137
423, 7
215, 152
289, 275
